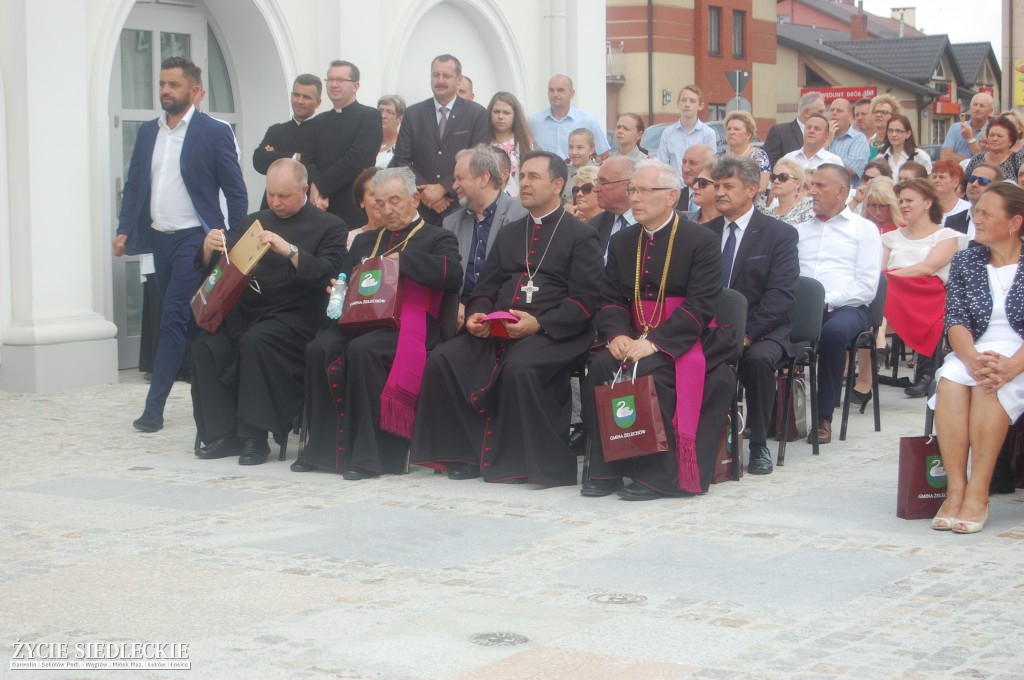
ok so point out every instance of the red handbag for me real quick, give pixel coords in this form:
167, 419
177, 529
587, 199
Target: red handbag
629, 418
217, 295
798, 409
921, 485
374, 299
726, 449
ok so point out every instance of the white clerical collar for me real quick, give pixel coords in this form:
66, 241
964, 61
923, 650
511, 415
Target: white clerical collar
538, 220
664, 224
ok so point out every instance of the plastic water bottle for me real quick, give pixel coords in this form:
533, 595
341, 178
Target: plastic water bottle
337, 297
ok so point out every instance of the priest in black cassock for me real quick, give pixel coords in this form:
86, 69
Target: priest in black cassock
500, 406
285, 140
247, 377
662, 319
343, 142
361, 390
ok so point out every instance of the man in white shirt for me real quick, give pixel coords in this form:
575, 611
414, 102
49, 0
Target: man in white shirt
612, 181
179, 166
552, 126
844, 252
813, 153
686, 131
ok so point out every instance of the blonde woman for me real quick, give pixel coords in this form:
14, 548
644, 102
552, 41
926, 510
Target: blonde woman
740, 129
787, 201
584, 201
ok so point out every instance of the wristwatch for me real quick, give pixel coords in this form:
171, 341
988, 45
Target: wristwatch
294, 250
972, 140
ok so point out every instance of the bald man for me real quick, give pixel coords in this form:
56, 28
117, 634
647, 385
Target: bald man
552, 126
694, 159
963, 139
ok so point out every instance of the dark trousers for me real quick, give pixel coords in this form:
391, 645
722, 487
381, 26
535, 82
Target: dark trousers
174, 256
838, 329
757, 371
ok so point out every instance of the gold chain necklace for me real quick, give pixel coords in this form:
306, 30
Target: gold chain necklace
397, 245
659, 303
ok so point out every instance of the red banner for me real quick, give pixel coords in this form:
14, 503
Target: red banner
851, 94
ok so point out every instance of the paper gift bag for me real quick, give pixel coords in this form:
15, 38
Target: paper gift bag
374, 298
798, 410
921, 485
629, 418
222, 288
726, 450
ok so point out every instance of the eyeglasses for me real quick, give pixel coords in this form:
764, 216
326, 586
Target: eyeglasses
339, 81
881, 112
646, 191
583, 188
702, 182
782, 177
983, 181
606, 182
875, 206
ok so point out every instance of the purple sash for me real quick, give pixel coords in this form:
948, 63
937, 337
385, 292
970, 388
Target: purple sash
402, 389
690, 371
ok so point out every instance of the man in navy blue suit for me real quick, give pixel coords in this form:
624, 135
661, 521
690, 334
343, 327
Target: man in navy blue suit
181, 162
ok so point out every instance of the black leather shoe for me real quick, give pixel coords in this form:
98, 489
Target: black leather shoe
254, 452
463, 471
149, 422
596, 488
920, 386
302, 466
638, 492
220, 448
356, 474
760, 460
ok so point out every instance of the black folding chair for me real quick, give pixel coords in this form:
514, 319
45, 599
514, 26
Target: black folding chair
731, 312
806, 332
865, 340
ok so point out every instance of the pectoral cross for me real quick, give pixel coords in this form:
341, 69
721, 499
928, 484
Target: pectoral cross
529, 289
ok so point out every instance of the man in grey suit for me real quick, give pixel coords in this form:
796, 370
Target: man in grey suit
487, 209
433, 131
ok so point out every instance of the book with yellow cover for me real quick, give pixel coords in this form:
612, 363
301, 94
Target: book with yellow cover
248, 250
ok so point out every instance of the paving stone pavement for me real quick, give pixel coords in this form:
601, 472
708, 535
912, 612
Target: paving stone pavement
115, 536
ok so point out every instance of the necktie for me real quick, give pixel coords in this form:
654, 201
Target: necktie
617, 226
441, 124
728, 253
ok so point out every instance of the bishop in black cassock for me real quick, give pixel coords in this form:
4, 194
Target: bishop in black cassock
497, 406
247, 377
346, 375
677, 259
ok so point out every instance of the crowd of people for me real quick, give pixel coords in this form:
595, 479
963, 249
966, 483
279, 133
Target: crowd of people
531, 250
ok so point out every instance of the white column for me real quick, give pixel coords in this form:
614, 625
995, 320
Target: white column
52, 337
559, 34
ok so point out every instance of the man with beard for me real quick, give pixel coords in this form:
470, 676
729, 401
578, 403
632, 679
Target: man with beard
181, 162
496, 399
246, 377
361, 390
487, 209
660, 319
343, 142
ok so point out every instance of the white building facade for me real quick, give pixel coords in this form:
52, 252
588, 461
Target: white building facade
77, 77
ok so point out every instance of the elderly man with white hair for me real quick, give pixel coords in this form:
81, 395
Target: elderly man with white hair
662, 281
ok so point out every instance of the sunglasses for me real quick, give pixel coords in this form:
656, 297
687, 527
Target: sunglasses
983, 181
868, 178
782, 177
702, 182
583, 188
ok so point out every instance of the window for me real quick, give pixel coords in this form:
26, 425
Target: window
715, 30
716, 112
738, 32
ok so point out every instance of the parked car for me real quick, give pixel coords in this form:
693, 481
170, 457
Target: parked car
652, 136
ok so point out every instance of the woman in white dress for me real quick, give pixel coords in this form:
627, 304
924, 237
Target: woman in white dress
981, 384
923, 248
